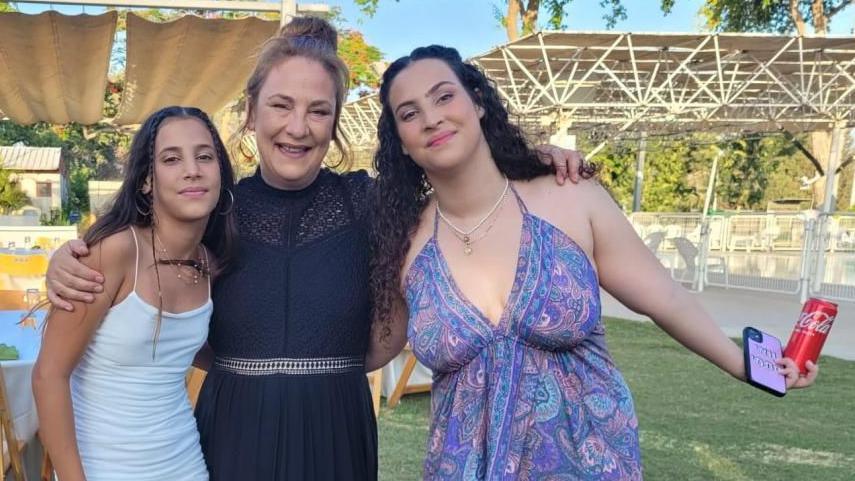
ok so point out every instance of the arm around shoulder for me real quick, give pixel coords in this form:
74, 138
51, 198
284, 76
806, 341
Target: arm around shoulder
385, 344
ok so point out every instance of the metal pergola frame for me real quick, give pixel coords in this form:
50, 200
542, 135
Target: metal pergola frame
664, 82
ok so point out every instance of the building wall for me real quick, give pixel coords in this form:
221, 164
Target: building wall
27, 237
28, 181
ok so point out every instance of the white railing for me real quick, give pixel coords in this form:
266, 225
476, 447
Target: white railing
788, 253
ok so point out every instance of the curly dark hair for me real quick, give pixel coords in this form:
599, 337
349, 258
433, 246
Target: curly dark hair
402, 188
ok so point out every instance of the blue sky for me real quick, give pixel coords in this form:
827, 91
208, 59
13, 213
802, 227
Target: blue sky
470, 25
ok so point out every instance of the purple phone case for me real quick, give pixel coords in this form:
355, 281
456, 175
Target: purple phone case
760, 366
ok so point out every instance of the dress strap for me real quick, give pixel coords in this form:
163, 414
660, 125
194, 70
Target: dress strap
436, 220
137, 262
522, 205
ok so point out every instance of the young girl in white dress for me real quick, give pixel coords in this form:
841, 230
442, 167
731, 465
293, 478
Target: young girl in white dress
109, 380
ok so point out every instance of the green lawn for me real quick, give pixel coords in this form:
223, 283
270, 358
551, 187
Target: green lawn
696, 422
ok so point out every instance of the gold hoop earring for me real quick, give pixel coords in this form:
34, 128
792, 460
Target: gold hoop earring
140, 211
231, 205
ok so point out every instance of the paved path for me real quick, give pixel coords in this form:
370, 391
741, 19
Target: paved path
776, 314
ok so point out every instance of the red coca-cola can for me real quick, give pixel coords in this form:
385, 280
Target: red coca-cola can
810, 331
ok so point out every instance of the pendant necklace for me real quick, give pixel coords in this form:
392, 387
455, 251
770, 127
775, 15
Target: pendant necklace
466, 235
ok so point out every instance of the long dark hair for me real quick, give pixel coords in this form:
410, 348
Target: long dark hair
403, 188
133, 207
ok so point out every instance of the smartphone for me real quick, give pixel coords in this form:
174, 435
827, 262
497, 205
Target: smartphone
761, 351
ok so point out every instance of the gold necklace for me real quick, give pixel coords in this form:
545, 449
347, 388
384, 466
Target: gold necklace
200, 266
466, 236
468, 233
469, 241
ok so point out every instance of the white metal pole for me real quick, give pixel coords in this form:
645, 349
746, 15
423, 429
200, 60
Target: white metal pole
288, 10
829, 203
711, 184
639, 173
804, 267
704, 241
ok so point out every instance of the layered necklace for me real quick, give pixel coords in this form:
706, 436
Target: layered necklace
199, 265
466, 236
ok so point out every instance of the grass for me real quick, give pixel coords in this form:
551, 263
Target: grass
696, 423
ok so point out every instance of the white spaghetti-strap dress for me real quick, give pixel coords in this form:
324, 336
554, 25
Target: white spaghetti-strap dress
132, 414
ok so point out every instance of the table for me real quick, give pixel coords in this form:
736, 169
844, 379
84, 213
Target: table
17, 375
392, 372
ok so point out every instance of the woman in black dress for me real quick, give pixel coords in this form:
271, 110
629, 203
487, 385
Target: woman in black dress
286, 396
291, 338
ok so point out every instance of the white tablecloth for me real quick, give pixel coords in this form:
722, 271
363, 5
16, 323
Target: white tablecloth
392, 371
21, 403
17, 375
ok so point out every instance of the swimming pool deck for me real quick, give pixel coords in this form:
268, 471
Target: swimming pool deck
774, 313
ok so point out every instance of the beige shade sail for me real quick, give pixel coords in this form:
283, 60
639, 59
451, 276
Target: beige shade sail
192, 61
53, 67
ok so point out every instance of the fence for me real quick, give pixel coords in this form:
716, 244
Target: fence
802, 254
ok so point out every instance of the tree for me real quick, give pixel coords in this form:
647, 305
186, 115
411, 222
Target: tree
6, 7
743, 175
89, 154
784, 16
360, 58
11, 196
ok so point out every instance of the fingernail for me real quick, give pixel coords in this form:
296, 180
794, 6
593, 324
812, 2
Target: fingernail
99, 288
89, 298
69, 309
99, 278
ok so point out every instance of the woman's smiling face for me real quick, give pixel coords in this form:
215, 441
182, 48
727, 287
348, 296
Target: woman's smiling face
293, 120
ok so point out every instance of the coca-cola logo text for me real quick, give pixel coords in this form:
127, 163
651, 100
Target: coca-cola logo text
816, 321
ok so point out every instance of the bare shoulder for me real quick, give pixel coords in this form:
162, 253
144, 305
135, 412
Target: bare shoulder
111, 253
572, 208
542, 192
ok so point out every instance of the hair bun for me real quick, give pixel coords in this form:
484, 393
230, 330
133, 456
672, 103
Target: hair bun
310, 32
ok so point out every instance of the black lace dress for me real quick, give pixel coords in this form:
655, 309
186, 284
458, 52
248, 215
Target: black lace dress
287, 397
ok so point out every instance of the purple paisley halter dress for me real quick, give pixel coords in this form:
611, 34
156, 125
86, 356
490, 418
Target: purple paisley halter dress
536, 396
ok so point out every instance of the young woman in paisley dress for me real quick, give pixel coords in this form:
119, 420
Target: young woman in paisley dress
499, 271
